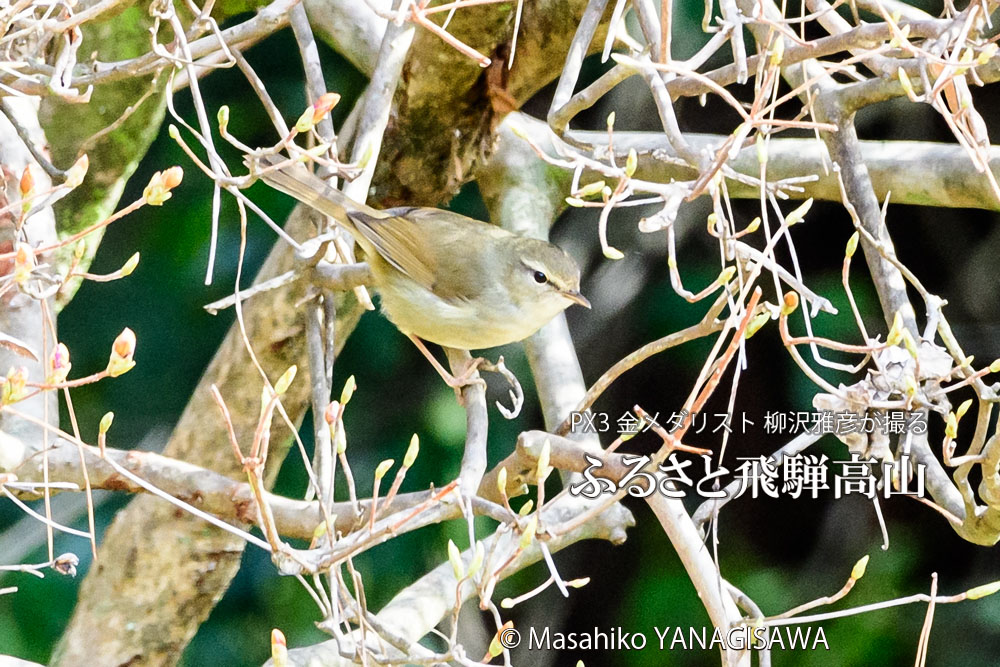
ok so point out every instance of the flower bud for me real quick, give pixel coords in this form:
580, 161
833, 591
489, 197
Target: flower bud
76, 173
106, 421
983, 591
330, 414
27, 183
411, 451
348, 390
502, 481
895, 335
160, 185
14, 385
761, 147
591, 189
631, 162
904, 81
455, 558
129, 265
340, 441
613, 253
852, 245
799, 213
859, 568
285, 381
122, 351
59, 364
778, 51
790, 303
383, 468
24, 263
315, 112
279, 648
900, 39
478, 555
542, 468
305, 121
529, 532
323, 105
951, 426
756, 322
712, 222
496, 646
909, 343
223, 118
172, 177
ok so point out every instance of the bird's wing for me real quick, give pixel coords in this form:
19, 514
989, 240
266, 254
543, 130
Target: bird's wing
428, 244
401, 242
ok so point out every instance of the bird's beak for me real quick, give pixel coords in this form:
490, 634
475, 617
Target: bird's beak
576, 297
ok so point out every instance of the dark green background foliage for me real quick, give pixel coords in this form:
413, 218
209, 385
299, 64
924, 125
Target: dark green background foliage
780, 552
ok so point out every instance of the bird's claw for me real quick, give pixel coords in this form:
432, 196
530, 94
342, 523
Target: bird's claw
515, 392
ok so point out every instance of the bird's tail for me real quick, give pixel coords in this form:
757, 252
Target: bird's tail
298, 182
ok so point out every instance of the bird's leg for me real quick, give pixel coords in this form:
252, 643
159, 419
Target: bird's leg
453, 381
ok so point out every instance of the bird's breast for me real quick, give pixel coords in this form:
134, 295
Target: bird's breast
467, 324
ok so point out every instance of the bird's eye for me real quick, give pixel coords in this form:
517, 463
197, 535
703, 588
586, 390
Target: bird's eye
540, 278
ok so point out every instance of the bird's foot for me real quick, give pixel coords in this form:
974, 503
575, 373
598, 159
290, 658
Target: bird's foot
466, 376
463, 378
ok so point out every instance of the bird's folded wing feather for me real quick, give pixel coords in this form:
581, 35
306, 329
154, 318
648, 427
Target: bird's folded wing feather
402, 243
431, 246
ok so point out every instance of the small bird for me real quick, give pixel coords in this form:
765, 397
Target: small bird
444, 277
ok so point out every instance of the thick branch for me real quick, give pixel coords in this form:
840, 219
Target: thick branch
154, 562
20, 313
921, 173
205, 489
